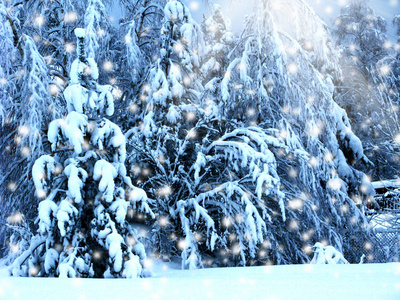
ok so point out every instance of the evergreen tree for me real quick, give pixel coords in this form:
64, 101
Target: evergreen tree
163, 141
366, 88
363, 34
29, 109
41, 34
139, 31
84, 189
247, 190
7, 89
35, 77
219, 42
284, 160
148, 19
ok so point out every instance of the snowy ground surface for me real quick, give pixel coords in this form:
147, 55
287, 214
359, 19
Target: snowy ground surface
368, 281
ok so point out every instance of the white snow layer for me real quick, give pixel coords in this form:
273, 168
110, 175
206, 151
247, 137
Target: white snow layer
364, 281
64, 215
108, 130
79, 98
105, 172
73, 127
76, 178
51, 259
79, 32
175, 11
78, 67
114, 241
327, 255
41, 171
133, 268
47, 208
105, 100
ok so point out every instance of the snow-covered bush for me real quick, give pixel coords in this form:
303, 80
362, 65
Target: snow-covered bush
327, 255
85, 192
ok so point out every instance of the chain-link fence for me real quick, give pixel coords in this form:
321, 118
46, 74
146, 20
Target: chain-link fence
384, 247
387, 245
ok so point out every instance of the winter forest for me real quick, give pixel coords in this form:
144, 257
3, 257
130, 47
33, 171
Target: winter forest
163, 137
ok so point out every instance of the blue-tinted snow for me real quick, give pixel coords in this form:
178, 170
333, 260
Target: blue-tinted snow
366, 281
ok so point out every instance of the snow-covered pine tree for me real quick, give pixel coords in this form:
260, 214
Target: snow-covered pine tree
84, 189
35, 73
219, 42
391, 66
51, 23
48, 26
363, 35
8, 54
366, 89
138, 51
166, 97
29, 110
145, 17
276, 177
311, 176
163, 144
97, 26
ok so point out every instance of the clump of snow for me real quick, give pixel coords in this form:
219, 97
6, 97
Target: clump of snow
65, 215
41, 171
66, 271
76, 97
120, 206
173, 115
79, 32
105, 172
149, 127
51, 260
47, 210
175, 11
73, 127
175, 79
108, 131
76, 178
81, 69
138, 195
159, 86
200, 163
132, 268
106, 100
327, 255
114, 241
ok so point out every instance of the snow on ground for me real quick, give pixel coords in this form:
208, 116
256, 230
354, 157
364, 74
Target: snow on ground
367, 281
